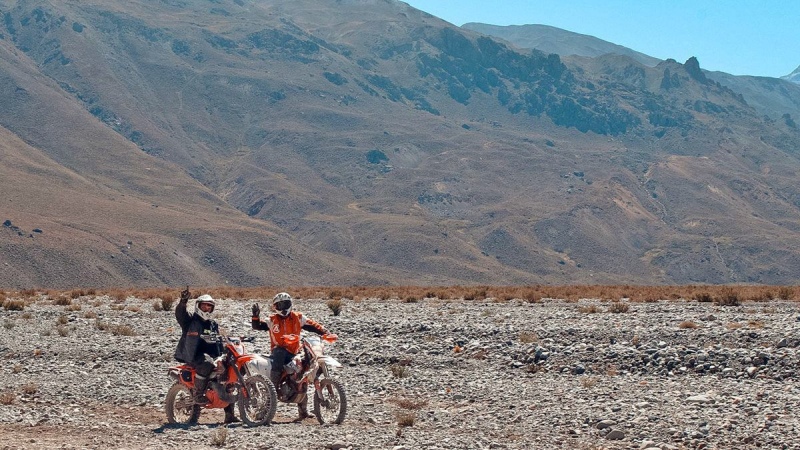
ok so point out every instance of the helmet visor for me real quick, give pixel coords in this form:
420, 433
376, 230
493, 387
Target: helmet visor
206, 306
283, 305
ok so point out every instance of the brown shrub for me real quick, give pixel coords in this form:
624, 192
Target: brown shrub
528, 337
62, 300
728, 297
688, 324
589, 309
409, 403
618, 307
30, 388
406, 418
7, 397
335, 305
399, 370
14, 305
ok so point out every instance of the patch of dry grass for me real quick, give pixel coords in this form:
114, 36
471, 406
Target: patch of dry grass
688, 324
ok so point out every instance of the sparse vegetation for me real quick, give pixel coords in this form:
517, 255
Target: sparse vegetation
219, 436
62, 330
166, 302
13, 305
589, 309
406, 418
7, 397
30, 388
688, 324
399, 370
729, 297
528, 337
62, 300
618, 307
335, 305
589, 382
409, 403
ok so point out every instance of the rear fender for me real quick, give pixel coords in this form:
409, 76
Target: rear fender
258, 365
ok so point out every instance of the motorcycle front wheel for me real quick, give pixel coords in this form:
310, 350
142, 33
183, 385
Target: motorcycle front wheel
181, 408
332, 407
258, 401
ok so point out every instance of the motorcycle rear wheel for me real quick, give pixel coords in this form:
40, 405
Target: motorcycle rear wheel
258, 402
332, 407
181, 408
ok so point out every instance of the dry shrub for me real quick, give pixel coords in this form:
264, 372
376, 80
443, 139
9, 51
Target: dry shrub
335, 294
589, 309
409, 403
30, 388
406, 418
8, 324
134, 309
76, 294
62, 300
733, 325
157, 306
27, 316
166, 302
589, 382
8, 397
758, 324
90, 315
785, 293
62, 320
74, 307
122, 330
703, 297
62, 330
219, 436
410, 299
618, 307
728, 297
528, 337
481, 354
14, 305
335, 305
399, 370
18, 368
688, 324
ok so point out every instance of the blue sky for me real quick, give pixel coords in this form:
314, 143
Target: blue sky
741, 37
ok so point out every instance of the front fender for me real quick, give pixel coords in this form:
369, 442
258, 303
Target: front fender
329, 361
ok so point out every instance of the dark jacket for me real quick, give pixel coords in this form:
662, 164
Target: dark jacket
198, 336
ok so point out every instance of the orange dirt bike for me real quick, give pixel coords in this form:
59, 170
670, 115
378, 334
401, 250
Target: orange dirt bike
309, 367
231, 382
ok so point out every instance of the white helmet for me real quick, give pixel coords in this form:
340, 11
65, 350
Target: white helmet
282, 304
204, 299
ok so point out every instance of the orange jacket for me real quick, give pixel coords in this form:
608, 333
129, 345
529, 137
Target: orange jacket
279, 326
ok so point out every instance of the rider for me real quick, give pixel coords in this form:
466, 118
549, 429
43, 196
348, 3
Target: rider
198, 344
285, 322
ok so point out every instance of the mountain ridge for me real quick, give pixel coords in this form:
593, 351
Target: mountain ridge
389, 147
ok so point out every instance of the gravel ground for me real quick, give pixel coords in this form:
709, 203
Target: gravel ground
430, 374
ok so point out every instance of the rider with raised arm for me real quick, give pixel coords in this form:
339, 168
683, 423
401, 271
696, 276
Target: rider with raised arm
282, 323
199, 344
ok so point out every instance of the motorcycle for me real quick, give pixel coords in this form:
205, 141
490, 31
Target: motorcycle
309, 367
231, 382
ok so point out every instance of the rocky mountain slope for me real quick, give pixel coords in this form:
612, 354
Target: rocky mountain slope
555, 40
315, 142
794, 76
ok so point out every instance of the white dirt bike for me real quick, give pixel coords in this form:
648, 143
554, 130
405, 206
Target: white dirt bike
310, 367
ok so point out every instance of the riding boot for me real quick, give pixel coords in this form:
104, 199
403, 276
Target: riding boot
302, 410
275, 378
200, 386
229, 416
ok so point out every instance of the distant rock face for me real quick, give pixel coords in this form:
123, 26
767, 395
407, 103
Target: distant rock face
794, 77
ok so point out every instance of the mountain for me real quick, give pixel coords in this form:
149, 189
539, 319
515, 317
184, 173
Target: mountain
794, 77
555, 40
363, 141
